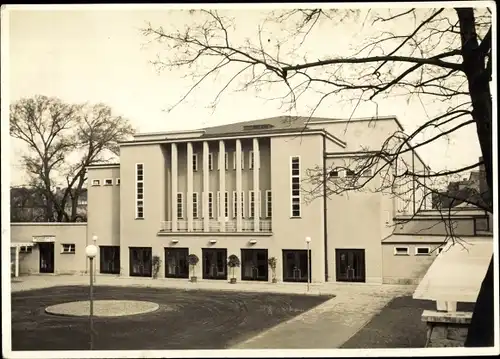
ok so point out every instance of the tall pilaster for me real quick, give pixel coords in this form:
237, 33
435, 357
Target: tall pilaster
206, 189
239, 214
222, 185
189, 191
173, 195
256, 185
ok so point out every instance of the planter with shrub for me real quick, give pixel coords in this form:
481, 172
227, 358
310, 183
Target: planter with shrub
156, 266
193, 261
273, 261
232, 262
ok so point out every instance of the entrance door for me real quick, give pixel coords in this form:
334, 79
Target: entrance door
176, 263
295, 265
350, 265
141, 264
214, 263
110, 259
46, 257
254, 264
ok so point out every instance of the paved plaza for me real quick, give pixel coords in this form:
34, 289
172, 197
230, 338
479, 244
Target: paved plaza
205, 315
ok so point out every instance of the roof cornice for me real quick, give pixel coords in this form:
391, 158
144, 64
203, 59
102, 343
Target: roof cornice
267, 134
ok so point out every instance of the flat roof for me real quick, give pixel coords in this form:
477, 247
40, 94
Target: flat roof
457, 272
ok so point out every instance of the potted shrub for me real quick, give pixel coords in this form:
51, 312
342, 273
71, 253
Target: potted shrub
272, 264
156, 266
193, 261
232, 262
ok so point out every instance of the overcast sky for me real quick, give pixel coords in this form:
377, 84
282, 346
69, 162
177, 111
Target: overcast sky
98, 56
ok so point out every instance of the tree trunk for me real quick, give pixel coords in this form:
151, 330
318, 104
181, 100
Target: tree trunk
481, 330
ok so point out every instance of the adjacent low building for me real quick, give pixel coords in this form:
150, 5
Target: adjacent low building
238, 189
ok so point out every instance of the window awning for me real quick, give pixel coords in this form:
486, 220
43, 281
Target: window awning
21, 244
41, 239
457, 272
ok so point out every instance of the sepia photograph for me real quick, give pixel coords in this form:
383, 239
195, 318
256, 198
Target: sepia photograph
249, 180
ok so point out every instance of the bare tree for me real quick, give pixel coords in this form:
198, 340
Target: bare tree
63, 139
446, 56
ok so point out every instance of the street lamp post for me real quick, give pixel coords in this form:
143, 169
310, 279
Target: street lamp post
308, 241
94, 239
91, 252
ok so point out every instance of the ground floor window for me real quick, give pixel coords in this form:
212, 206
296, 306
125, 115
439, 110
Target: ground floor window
176, 263
350, 265
110, 259
254, 264
295, 268
141, 264
214, 263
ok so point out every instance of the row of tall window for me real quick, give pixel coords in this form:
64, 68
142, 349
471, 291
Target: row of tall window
197, 159
295, 196
246, 211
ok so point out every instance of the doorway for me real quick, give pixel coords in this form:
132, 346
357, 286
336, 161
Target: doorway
176, 263
350, 265
110, 259
295, 265
254, 264
141, 264
46, 257
214, 263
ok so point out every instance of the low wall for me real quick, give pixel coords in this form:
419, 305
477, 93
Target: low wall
406, 269
446, 329
63, 233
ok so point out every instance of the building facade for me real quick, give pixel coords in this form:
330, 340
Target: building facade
239, 189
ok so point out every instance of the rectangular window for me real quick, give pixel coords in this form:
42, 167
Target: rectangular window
210, 161
139, 172
210, 205
96, 182
295, 186
226, 161
68, 248
334, 173
226, 204
180, 205
195, 205
401, 251
25, 249
253, 202
117, 181
195, 162
139, 190
349, 173
422, 251
219, 211
250, 160
269, 204
235, 204
108, 182
242, 160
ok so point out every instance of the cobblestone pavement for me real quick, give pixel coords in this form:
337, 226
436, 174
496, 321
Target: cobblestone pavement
328, 325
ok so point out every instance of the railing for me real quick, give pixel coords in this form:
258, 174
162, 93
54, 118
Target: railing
247, 225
